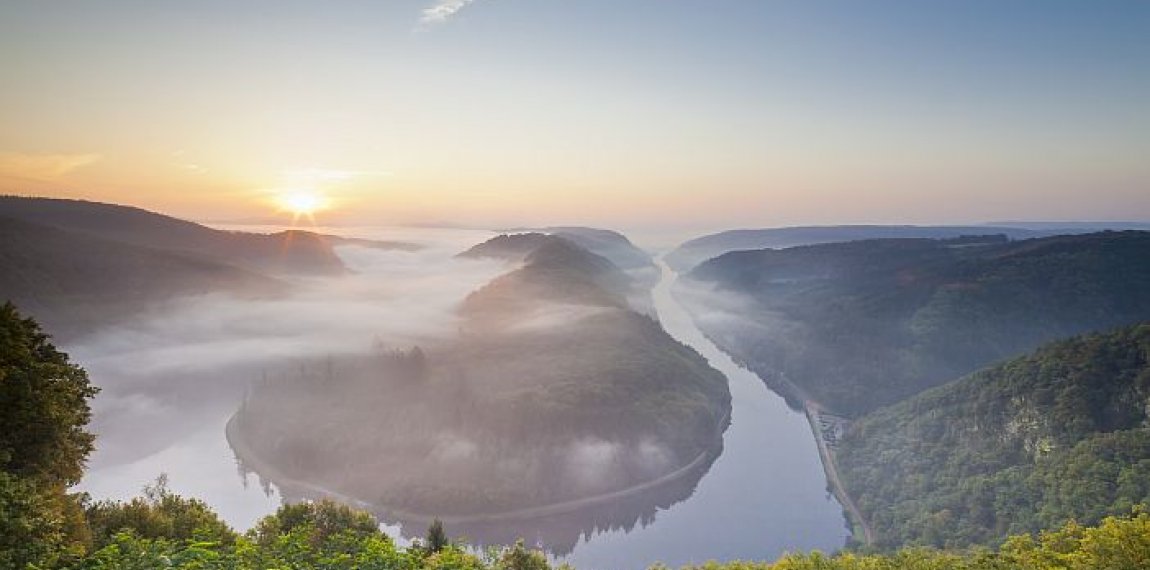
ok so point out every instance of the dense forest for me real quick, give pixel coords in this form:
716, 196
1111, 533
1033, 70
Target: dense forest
864, 324
1060, 434
695, 251
553, 391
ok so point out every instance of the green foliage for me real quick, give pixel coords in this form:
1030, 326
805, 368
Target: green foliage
1116, 543
43, 405
158, 514
436, 537
518, 557
43, 445
1061, 434
321, 536
318, 521
28, 530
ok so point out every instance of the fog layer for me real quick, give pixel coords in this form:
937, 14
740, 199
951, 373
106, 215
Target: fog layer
171, 378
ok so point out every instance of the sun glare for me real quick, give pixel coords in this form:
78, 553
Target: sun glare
303, 203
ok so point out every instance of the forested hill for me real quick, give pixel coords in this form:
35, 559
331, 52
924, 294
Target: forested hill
553, 396
1060, 434
695, 251
554, 269
508, 247
610, 244
577, 257
284, 252
75, 282
863, 324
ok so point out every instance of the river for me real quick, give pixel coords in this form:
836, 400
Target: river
764, 495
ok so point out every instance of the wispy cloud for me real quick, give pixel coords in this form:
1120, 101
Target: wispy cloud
442, 10
42, 167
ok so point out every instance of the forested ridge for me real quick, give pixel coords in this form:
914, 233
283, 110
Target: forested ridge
1060, 434
291, 251
695, 251
860, 325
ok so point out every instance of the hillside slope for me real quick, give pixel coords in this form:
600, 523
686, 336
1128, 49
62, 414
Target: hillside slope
695, 251
284, 252
863, 324
73, 282
1060, 434
632, 273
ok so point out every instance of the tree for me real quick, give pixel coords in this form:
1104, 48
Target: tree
43, 445
519, 557
436, 537
319, 520
43, 405
159, 514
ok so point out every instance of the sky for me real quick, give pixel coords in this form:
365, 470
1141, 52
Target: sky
645, 113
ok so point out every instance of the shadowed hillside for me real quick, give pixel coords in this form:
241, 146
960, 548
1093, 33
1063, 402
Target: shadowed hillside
636, 266
864, 324
287, 252
75, 282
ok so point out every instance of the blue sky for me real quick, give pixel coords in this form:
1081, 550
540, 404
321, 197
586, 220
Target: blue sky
718, 113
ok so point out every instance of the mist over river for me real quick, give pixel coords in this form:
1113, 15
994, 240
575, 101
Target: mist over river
172, 379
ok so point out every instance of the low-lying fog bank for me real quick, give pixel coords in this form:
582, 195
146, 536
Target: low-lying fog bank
552, 392
171, 378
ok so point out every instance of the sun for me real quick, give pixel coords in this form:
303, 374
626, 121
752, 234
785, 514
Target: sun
302, 203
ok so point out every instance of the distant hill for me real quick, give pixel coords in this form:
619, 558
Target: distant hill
700, 249
510, 247
863, 324
73, 281
612, 246
554, 395
607, 243
286, 252
1060, 434
554, 270
1075, 227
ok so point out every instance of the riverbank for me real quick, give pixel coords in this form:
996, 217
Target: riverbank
827, 429
815, 413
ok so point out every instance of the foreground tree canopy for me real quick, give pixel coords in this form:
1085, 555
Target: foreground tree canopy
333, 537
43, 445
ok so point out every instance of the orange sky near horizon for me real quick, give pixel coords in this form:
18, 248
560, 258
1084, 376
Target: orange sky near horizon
511, 114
